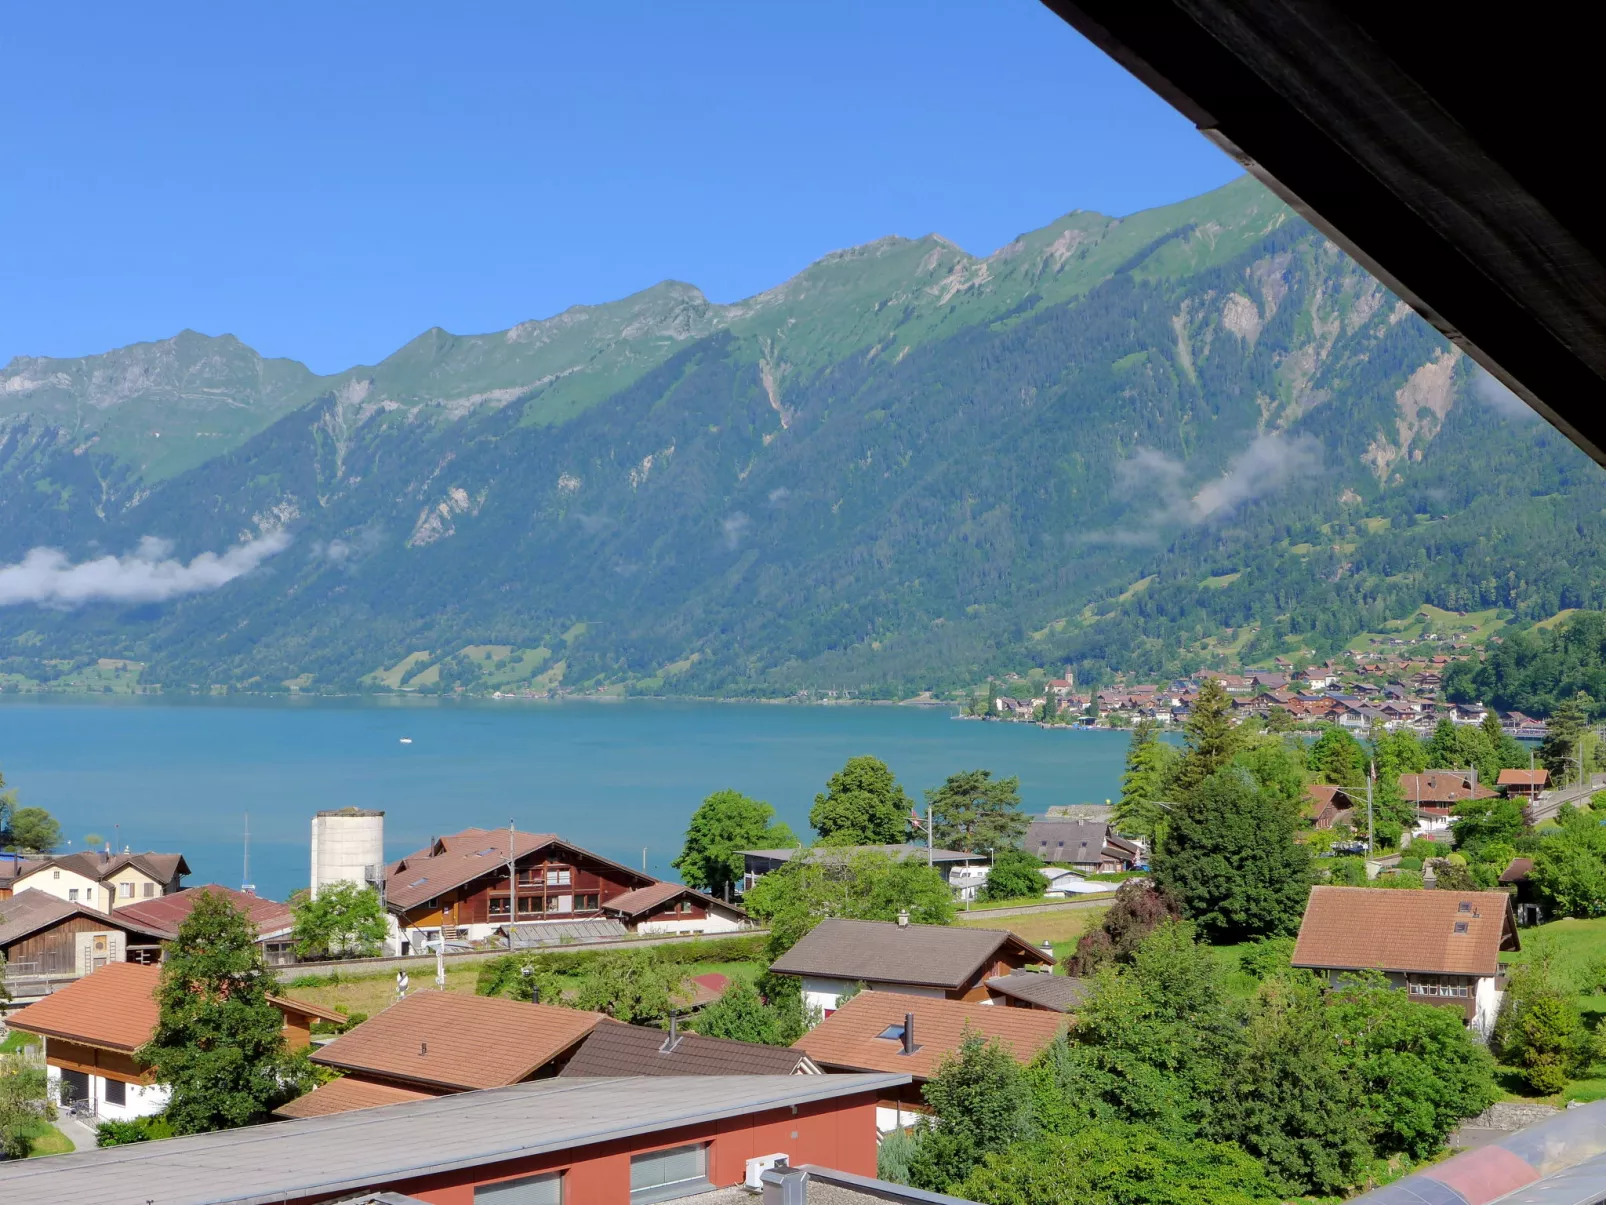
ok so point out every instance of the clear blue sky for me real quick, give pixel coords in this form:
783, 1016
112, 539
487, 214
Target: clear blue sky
327, 180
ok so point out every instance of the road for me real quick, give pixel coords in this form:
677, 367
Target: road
1549, 803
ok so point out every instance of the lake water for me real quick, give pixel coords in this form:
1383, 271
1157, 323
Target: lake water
176, 774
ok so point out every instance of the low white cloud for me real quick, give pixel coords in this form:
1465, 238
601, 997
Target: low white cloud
734, 528
341, 552
1268, 464
149, 574
1492, 392
779, 495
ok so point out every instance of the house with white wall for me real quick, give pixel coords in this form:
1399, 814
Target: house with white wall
104, 880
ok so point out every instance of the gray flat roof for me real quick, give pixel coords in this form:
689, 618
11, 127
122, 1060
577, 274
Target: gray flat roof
368, 1148
906, 850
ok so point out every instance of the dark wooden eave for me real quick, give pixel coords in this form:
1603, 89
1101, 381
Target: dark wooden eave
1446, 150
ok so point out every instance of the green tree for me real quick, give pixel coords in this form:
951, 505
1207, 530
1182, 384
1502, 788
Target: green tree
857, 885
1210, 737
32, 831
345, 920
979, 1100
727, 823
1539, 1029
218, 1045
1419, 1069
1337, 758
1564, 734
1150, 765
862, 805
632, 986
1014, 876
1231, 862
972, 811
1478, 824
24, 1106
1119, 1165
1291, 1102
1569, 868
743, 1015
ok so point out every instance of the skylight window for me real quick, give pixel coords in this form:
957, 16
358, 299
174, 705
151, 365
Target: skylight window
1460, 926
892, 1033
1465, 907
419, 882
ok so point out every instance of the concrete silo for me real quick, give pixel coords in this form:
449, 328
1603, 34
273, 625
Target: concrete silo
348, 844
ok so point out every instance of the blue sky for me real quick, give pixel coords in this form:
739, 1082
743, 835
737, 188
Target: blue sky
327, 181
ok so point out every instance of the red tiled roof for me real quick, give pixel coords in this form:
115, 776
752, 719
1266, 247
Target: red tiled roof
1361, 928
646, 899
458, 1042
1441, 787
1523, 778
849, 1037
346, 1094
170, 911
463, 857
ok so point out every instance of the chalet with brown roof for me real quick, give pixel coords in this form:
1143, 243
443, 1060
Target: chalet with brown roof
1523, 784
439, 1043
1437, 791
1091, 846
272, 919
614, 1048
104, 881
1328, 805
937, 961
885, 1031
458, 886
674, 908
48, 942
1039, 990
94, 1027
1442, 947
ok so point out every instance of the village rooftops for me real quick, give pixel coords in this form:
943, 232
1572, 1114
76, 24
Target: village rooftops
1056, 993
170, 911
867, 1032
449, 862
347, 1093
882, 952
1428, 932
614, 1048
645, 899
1441, 788
336, 1157
456, 1042
30, 910
114, 1008
1524, 778
97, 867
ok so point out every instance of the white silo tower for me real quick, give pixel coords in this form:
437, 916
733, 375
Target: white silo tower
348, 844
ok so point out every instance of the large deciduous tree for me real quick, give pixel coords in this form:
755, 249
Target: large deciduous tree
727, 823
344, 920
972, 810
1231, 862
857, 885
1014, 875
862, 805
218, 1045
981, 1105
1336, 758
632, 986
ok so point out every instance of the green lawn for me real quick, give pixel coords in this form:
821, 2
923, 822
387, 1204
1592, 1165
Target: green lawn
1577, 949
16, 1040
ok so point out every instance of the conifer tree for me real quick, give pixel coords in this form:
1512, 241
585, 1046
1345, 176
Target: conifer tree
1210, 736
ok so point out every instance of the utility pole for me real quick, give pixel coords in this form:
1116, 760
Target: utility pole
512, 885
929, 835
1370, 779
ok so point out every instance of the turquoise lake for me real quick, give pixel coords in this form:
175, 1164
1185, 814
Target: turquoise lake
172, 774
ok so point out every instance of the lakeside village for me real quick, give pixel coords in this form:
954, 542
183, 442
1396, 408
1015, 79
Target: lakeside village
929, 997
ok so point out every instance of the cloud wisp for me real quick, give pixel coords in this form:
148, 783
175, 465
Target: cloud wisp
1492, 392
1269, 463
148, 574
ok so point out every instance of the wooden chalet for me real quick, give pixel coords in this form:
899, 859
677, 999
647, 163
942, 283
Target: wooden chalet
48, 943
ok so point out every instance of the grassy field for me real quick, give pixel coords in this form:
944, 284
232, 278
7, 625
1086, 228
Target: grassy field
373, 993
1577, 951
1060, 929
15, 1040
46, 1139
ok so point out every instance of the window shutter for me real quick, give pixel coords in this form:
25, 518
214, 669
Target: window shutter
532, 1190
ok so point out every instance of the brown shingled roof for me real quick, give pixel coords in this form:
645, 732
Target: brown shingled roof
1057, 993
645, 899
463, 857
884, 952
345, 1094
114, 1008
31, 910
613, 1048
458, 1042
1441, 788
98, 867
849, 1038
1524, 778
1359, 928
170, 911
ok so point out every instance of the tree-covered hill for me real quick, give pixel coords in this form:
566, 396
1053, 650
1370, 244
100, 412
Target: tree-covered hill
1107, 444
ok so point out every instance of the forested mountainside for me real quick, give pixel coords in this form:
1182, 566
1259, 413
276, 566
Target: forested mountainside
1198, 433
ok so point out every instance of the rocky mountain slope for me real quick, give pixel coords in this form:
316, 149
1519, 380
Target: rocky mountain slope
1197, 431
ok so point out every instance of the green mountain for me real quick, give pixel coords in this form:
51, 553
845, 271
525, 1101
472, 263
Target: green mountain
1196, 432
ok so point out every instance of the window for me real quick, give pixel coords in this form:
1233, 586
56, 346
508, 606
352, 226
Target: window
125, 891
150, 891
677, 1172
892, 1033
531, 1190
557, 876
1465, 906
116, 1092
529, 905
55, 874
1460, 926
72, 893
585, 903
500, 905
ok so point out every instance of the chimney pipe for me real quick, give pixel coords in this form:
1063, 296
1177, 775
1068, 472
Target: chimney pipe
908, 1033
903, 919
673, 1039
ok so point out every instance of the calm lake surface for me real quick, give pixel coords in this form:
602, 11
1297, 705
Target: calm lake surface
169, 774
